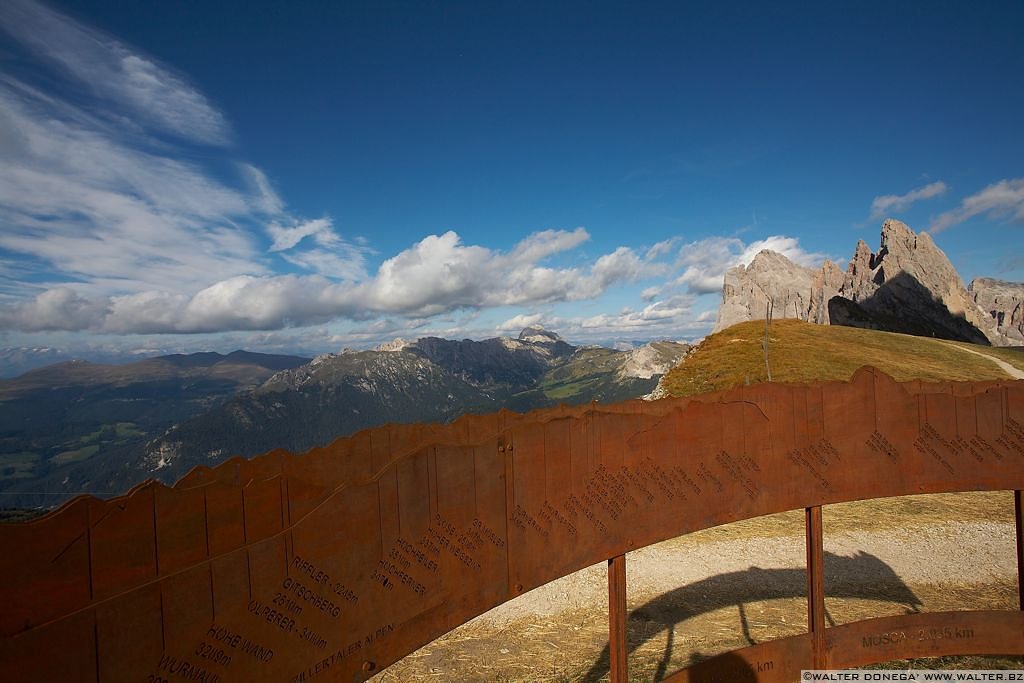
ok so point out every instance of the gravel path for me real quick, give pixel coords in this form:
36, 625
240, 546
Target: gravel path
1006, 367
958, 552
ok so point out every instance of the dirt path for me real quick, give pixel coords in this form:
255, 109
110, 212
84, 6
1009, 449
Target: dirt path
1006, 367
701, 594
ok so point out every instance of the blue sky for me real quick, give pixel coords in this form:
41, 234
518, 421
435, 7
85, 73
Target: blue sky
208, 176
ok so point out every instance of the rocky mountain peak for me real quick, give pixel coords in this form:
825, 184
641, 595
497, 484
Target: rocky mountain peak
538, 335
771, 276
651, 360
908, 286
766, 258
1003, 303
861, 268
903, 250
396, 344
897, 235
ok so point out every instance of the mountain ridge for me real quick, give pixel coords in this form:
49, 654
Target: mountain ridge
107, 433
908, 286
426, 380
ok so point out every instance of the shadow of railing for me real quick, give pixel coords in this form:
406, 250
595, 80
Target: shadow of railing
862, 575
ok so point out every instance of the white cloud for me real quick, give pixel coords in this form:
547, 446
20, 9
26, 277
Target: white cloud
158, 98
59, 308
265, 198
440, 274
90, 197
345, 262
1004, 199
659, 318
239, 303
288, 237
662, 248
704, 262
436, 275
544, 243
333, 256
99, 211
787, 246
707, 317
520, 322
650, 293
887, 204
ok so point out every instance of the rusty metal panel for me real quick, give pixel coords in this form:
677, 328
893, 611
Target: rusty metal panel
62, 650
123, 545
180, 529
46, 574
924, 634
776, 661
333, 564
815, 568
617, 653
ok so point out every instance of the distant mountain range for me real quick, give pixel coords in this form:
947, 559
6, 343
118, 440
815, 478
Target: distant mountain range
78, 426
62, 425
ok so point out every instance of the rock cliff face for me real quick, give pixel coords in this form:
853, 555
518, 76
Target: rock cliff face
796, 291
908, 286
1003, 302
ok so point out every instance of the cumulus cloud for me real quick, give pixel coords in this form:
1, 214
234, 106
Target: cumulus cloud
884, 205
787, 246
59, 308
158, 98
436, 275
1004, 200
439, 274
523, 320
656, 317
704, 262
239, 303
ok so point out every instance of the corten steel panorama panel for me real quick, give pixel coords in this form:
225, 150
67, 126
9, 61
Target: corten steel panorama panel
334, 564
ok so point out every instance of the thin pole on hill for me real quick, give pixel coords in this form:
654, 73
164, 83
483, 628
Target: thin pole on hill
769, 309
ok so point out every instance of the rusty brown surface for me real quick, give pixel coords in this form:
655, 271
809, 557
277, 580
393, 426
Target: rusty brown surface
923, 634
777, 661
333, 564
815, 570
618, 669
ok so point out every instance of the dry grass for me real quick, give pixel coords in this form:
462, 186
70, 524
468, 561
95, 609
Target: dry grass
803, 352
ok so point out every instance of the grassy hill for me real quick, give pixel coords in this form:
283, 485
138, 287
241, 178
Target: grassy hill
804, 352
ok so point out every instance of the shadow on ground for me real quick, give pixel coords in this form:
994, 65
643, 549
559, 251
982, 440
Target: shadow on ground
861, 576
